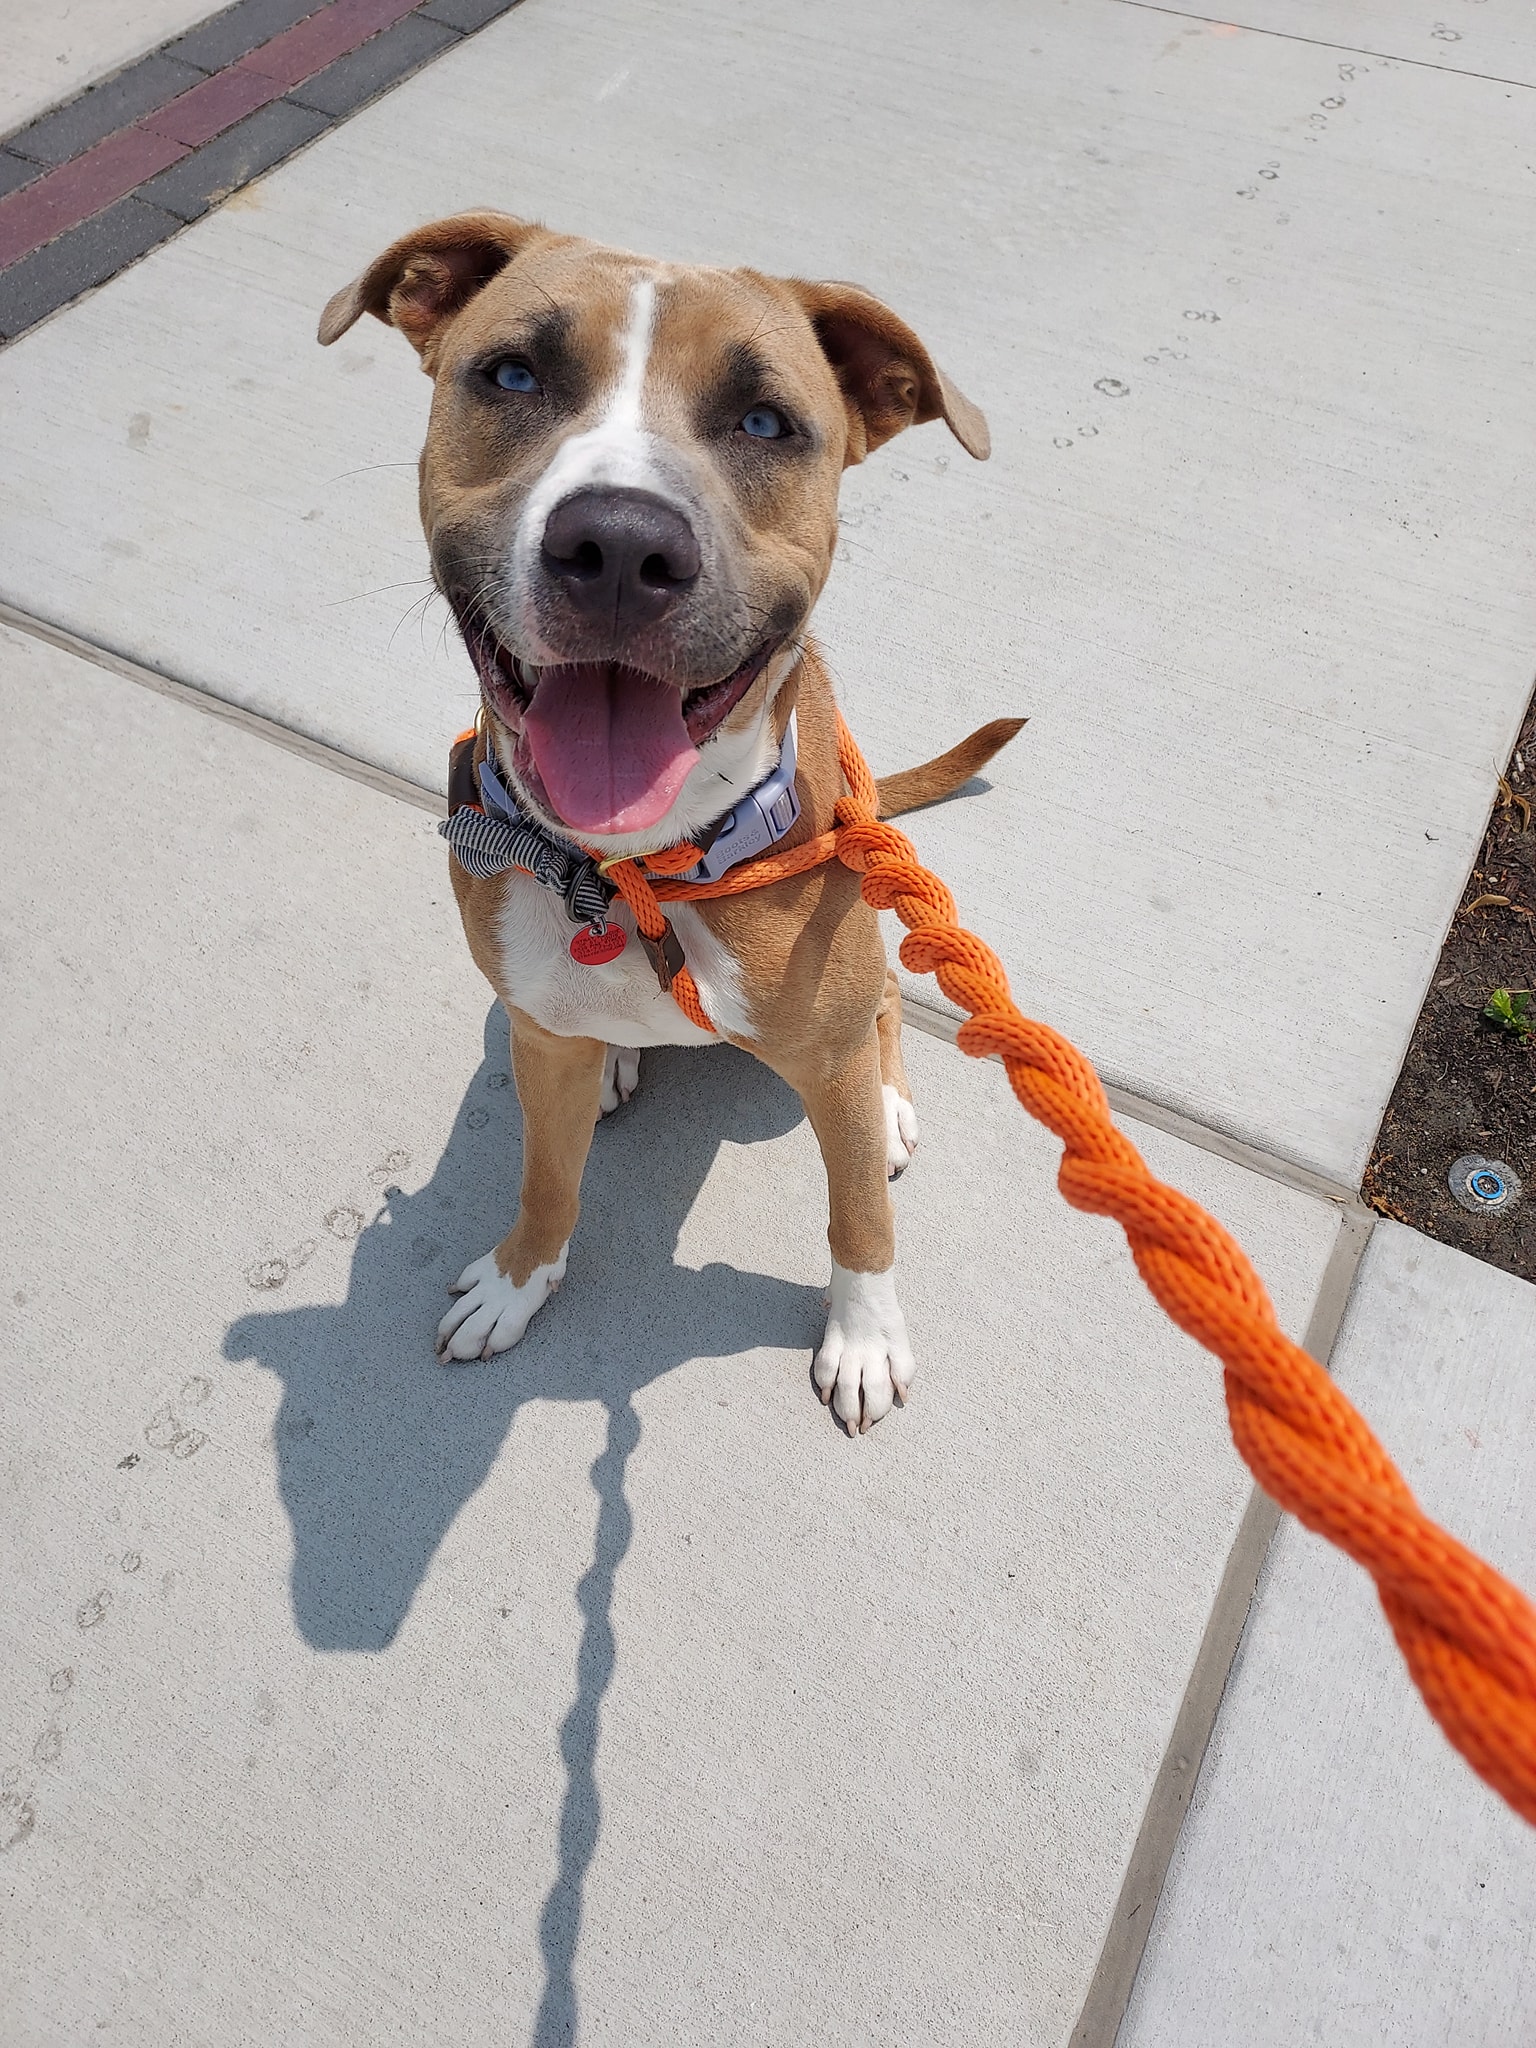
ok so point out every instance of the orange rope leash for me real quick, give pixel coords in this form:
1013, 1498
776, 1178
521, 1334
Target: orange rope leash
1467, 1634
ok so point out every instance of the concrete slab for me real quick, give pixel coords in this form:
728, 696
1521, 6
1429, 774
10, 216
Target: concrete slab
1497, 41
1342, 1875
605, 1691
54, 51
1258, 489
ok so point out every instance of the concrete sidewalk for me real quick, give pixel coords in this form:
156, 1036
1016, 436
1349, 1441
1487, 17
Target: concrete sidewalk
606, 1694
823, 1692
1249, 551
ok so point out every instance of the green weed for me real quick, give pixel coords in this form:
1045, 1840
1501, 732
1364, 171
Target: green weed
1510, 1009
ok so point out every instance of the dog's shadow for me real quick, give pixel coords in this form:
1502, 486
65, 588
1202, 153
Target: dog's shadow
378, 1447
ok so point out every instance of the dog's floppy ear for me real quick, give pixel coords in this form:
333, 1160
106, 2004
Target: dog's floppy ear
889, 379
424, 278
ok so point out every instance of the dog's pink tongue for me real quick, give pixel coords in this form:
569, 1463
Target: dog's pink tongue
610, 746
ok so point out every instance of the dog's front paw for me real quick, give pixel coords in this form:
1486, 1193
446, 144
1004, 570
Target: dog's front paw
865, 1357
492, 1312
621, 1077
900, 1130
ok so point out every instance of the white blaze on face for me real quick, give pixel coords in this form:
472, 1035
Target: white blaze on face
617, 451
623, 415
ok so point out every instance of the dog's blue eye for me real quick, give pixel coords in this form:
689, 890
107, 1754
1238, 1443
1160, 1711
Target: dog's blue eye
764, 424
515, 376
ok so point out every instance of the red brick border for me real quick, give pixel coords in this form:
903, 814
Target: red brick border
88, 184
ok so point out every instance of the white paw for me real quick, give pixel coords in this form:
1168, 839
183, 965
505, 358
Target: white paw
865, 1357
491, 1312
900, 1131
621, 1077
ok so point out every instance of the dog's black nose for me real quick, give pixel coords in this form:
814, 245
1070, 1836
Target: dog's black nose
621, 556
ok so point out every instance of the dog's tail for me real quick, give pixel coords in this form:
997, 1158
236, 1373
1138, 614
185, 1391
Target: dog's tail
914, 787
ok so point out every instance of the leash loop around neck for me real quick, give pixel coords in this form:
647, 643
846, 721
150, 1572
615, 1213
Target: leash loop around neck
492, 835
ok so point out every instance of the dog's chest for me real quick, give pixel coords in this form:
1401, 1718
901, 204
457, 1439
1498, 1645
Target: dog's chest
618, 1000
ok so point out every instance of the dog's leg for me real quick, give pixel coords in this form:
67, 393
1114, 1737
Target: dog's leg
621, 1077
900, 1116
559, 1081
865, 1355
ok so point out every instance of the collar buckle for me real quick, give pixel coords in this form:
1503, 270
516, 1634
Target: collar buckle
759, 820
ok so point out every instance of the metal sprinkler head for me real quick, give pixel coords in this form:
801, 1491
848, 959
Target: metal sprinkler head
1484, 1185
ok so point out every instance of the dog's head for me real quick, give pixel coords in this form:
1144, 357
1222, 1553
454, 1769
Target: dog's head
629, 489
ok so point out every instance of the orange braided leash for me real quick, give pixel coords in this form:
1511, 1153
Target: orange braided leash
1467, 1634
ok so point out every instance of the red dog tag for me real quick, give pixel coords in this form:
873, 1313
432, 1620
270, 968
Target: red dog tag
592, 948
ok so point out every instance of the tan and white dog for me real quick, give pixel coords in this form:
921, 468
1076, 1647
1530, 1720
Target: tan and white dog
629, 489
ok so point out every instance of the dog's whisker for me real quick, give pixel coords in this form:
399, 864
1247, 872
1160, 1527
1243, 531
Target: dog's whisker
367, 469
382, 591
419, 607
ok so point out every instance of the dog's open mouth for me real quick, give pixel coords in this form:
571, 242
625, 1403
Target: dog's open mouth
605, 747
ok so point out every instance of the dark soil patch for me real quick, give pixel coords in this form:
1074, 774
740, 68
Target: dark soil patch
1467, 1086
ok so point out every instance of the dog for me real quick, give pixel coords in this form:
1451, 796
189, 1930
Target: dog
629, 491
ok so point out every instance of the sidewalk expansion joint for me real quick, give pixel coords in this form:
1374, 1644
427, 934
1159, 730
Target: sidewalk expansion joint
316, 752
919, 1014
1286, 35
1173, 1790
1145, 1109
